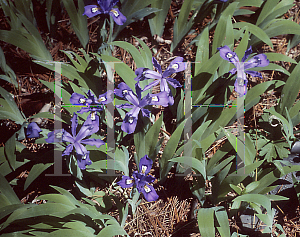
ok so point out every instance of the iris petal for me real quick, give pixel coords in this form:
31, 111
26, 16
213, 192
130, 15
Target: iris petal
118, 17
156, 65
93, 142
145, 162
33, 130
92, 10
149, 193
126, 182
83, 160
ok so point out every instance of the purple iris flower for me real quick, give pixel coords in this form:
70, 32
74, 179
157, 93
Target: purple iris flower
130, 120
89, 127
91, 103
105, 98
141, 180
241, 81
88, 103
105, 7
177, 65
83, 160
55, 136
138, 104
33, 130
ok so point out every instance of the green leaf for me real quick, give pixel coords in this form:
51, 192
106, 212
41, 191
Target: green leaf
139, 143
19, 118
151, 138
35, 171
220, 166
195, 163
221, 27
252, 186
157, 20
290, 91
47, 115
241, 48
205, 219
241, 12
122, 69
30, 41
266, 10
10, 149
255, 3
236, 189
57, 198
83, 188
146, 52
222, 218
182, 25
139, 61
275, 14
71, 232
170, 150
111, 231
134, 10
121, 160
255, 198
79, 22
204, 74
5, 210
10, 75
255, 30
279, 57
272, 67
253, 95
8, 192
78, 62
67, 70
202, 54
66, 193
236, 142
279, 27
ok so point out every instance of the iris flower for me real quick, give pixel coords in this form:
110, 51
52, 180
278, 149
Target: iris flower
137, 105
83, 160
141, 180
33, 130
55, 136
177, 65
241, 81
105, 7
89, 127
91, 103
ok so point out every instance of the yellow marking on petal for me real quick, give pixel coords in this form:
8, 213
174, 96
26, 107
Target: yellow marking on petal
94, 9
130, 119
229, 55
115, 12
147, 189
175, 66
58, 135
155, 98
93, 115
144, 168
101, 99
82, 101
